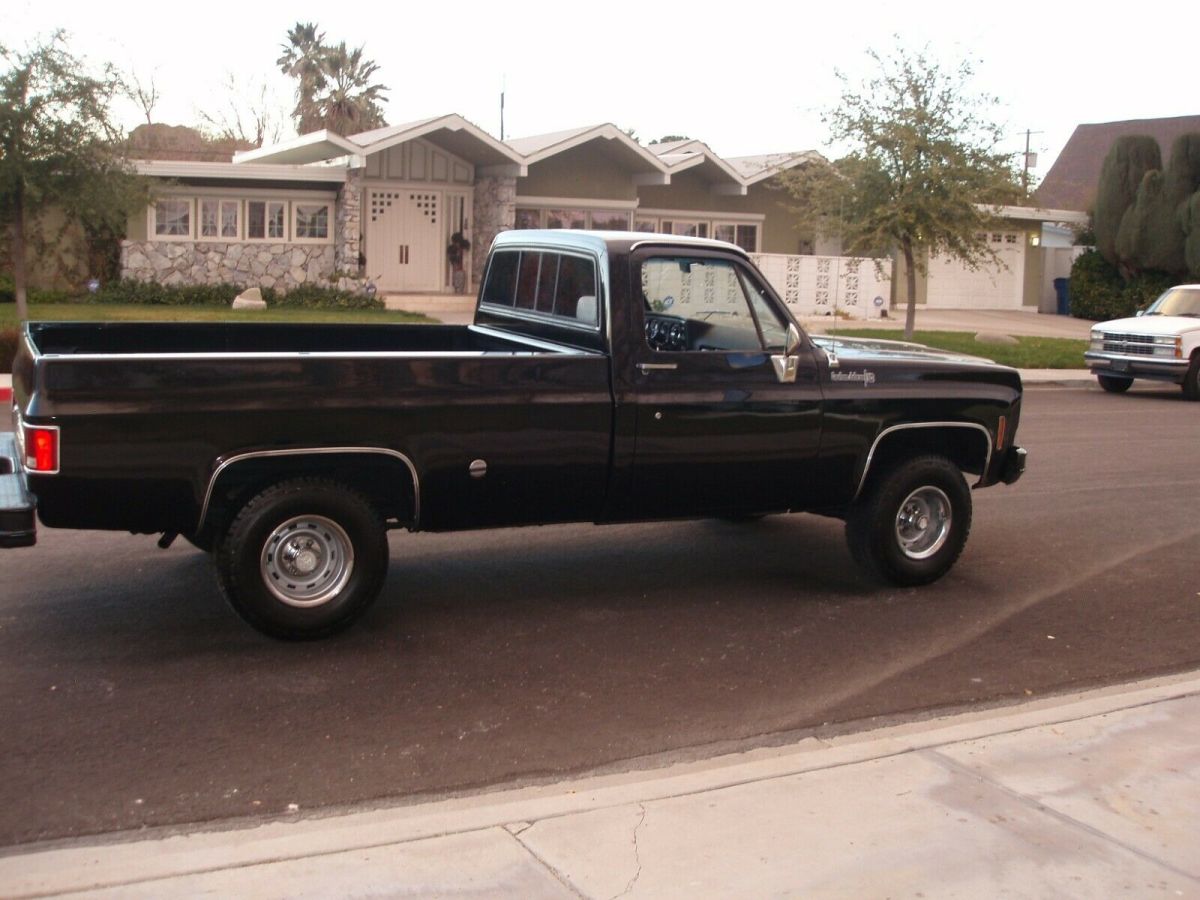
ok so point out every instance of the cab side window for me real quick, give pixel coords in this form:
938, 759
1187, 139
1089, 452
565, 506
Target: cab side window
705, 304
558, 285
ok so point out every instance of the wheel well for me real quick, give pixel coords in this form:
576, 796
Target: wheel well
965, 446
386, 480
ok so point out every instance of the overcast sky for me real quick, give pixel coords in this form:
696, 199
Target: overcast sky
745, 78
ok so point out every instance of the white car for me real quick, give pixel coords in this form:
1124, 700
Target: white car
1162, 343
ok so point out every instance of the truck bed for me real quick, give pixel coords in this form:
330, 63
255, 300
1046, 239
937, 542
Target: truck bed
142, 338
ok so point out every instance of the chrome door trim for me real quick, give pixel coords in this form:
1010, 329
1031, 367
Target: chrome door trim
311, 451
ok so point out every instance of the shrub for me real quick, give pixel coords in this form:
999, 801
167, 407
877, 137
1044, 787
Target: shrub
1097, 291
302, 297
8, 293
1127, 162
1143, 289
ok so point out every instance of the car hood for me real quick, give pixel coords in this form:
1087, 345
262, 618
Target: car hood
850, 348
1158, 325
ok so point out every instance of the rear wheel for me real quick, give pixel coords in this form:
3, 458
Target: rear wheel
1114, 384
912, 522
1191, 381
303, 559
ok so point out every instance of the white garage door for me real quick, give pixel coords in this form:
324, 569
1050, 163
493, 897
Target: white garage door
952, 285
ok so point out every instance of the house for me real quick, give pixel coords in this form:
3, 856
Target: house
385, 205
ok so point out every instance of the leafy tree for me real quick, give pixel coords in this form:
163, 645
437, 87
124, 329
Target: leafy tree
924, 172
59, 147
671, 138
1127, 163
333, 84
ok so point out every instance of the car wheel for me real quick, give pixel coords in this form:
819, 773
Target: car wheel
1191, 381
1114, 384
303, 559
912, 522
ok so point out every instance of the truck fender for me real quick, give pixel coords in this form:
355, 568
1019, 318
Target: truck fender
872, 454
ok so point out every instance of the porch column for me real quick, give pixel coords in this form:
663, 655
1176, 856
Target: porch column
495, 211
347, 229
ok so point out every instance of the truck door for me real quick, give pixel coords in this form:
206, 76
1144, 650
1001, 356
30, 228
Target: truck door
718, 429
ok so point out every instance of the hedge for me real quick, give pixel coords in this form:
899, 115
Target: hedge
1099, 292
309, 296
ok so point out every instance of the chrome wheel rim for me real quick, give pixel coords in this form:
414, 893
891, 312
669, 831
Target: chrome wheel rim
306, 561
923, 522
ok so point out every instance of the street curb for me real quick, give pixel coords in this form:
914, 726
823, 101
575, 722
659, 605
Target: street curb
122, 859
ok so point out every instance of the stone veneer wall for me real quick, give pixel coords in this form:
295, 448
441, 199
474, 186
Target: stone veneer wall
495, 211
347, 228
280, 266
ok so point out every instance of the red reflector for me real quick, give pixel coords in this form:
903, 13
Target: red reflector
1000, 429
41, 449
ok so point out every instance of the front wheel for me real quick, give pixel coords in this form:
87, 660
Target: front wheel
1191, 381
303, 559
911, 524
1114, 384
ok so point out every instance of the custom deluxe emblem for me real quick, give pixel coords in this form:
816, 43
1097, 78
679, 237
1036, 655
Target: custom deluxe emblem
865, 376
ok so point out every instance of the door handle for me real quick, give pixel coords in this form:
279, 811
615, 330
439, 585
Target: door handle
657, 367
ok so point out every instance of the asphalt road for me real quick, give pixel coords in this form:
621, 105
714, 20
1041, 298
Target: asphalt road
130, 697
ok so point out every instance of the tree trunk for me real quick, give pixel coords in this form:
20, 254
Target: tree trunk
17, 246
910, 278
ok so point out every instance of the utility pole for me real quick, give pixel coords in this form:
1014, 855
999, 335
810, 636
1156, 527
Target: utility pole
1030, 160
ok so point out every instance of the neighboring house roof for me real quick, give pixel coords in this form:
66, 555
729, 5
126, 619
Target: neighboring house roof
754, 169
681, 156
450, 132
158, 141
538, 147
1072, 180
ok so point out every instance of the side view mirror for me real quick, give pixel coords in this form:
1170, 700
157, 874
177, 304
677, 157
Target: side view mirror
785, 365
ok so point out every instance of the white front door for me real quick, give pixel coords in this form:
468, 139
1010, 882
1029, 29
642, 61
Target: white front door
405, 250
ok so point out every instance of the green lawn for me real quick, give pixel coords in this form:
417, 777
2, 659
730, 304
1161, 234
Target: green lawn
1027, 353
139, 312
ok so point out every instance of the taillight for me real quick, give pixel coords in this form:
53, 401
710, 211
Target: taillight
41, 448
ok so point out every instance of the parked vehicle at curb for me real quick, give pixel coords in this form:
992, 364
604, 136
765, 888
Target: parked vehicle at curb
608, 377
1162, 344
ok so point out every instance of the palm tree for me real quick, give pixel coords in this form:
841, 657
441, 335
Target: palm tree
302, 59
350, 102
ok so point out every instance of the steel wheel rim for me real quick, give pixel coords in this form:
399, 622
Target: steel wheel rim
923, 522
306, 561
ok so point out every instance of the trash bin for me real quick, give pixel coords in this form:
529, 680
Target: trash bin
1062, 290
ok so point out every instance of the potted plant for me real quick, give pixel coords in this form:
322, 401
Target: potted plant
456, 253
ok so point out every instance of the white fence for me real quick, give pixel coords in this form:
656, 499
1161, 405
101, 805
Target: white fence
827, 285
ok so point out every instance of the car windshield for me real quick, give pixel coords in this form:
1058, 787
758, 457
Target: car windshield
1177, 302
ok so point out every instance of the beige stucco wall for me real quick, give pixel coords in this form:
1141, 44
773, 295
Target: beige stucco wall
585, 172
689, 191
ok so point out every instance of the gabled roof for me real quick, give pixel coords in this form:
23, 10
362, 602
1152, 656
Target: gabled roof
450, 132
538, 147
680, 156
1072, 180
759, 168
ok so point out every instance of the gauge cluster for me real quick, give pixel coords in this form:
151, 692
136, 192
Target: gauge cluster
669, 333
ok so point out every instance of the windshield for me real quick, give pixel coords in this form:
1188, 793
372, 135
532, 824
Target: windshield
1177, 302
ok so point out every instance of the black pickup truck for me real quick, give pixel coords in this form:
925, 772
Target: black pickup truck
608, 377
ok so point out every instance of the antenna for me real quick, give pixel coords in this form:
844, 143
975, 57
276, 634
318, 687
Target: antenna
503, 79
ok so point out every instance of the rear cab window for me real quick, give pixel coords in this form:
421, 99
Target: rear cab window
550, 284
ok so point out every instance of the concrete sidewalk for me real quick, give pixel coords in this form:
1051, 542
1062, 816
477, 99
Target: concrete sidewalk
1083, 796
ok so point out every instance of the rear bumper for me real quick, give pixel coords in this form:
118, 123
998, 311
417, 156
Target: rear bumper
1014, 465
18, 509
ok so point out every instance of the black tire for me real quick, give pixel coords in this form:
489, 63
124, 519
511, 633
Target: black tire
1191, 381
303, 559
1114, 384
891, 544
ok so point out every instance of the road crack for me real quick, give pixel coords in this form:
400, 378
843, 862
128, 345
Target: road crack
637, 855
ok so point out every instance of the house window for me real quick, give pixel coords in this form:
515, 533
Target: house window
647, 225
220, 219
610, 220
312, 221
266, 220
566, 218
173, 218
528, 218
